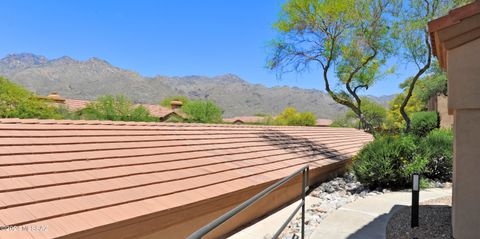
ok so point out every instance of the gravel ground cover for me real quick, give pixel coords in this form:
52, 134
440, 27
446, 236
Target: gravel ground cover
434, 221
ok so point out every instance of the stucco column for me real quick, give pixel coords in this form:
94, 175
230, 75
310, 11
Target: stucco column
464, 102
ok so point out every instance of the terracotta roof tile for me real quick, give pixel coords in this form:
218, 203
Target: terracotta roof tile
60, 173
245, 119
323, 122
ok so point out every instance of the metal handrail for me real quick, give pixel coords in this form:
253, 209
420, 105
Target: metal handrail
220, 220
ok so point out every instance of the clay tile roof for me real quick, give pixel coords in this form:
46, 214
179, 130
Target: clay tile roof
77, 176
439, 35
245, 119
323, 122
74, 105
157, 110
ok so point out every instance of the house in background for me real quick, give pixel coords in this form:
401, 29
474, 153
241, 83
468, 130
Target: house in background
260, 119
245, 120
323, 122
439, 103
159, 111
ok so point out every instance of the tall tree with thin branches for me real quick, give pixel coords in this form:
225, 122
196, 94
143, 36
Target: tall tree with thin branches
348, 39
412, 31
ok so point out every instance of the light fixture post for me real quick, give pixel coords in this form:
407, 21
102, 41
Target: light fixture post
415, 199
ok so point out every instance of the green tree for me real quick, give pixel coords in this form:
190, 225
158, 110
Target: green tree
290, 116
349, 36
201, 111
167, 100
348, 120
17, 102
116, 108
432, 84
375, 114
427, 86
412, 31
395, 120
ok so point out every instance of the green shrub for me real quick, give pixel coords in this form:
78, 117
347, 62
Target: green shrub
389, 162
200, 111
115, 108
437, 149
424, 122
17, 102
67, 113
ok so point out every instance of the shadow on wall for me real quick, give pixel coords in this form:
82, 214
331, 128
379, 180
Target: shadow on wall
300, 145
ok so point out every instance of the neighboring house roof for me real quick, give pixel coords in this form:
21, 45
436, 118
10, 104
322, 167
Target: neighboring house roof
460, 26
245, 119
81, 177
74, 105
157, 110
323, 122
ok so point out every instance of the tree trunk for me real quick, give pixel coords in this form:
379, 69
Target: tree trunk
414, 80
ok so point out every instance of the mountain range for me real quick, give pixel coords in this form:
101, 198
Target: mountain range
95, 77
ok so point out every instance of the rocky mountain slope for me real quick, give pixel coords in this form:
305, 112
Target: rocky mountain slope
95, 77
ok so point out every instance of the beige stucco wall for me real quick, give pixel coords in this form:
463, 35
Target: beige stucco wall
463, 76
446, 120
439, 104
464, 101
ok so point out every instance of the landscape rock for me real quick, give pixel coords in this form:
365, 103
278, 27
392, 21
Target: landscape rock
333, 194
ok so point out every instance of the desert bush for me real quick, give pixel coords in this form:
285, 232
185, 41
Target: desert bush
17, 102
201, 111
115, 108
66, 113
424, 122
290, 116
437, 149
388, 161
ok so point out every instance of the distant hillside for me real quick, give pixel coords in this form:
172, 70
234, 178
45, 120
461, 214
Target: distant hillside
95, 77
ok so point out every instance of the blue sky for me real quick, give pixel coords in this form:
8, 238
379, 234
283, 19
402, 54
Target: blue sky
171, 38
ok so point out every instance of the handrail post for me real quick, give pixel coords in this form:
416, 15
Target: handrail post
220, 220
304, 178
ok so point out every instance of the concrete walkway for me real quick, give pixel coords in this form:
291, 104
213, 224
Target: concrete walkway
270, 224
364, 218
368, 217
